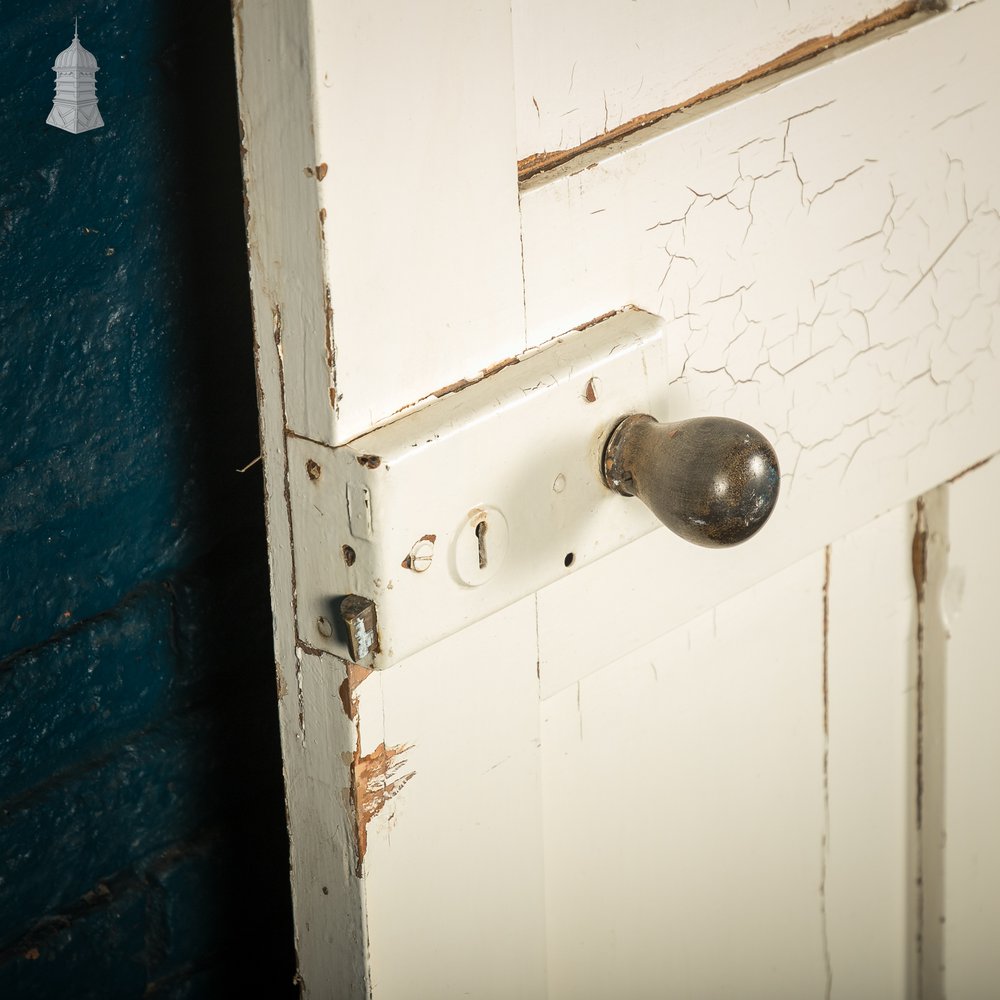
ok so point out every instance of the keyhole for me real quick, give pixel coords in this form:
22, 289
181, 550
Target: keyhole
481, 538
470, 561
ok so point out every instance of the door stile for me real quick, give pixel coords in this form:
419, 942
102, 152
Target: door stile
384, 240
961, 745
327, 898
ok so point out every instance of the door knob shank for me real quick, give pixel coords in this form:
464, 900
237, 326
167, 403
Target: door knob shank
711, 480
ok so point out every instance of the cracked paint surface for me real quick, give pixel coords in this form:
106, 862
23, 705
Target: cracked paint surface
894, 314
826, 255
828, 263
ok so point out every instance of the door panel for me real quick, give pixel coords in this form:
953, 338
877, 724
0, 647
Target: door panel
868, 890
383, 221
755, 777
684, 807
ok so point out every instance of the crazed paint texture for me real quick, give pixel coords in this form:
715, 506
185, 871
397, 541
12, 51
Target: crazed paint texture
375, 779
822, 265
828, 270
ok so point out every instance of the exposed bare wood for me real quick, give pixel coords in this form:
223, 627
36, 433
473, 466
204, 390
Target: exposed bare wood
530, 165
375, 779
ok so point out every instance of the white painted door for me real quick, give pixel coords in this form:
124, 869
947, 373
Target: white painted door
765, 771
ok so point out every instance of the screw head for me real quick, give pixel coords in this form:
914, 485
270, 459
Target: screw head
324, 627
421, 555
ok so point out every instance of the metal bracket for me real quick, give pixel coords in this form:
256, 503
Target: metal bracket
452, 512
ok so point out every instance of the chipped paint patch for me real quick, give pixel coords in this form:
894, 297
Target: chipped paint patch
300, 687
375, 779
355, 675
918, 557
971, 468
464, 383
328, 325
282, 685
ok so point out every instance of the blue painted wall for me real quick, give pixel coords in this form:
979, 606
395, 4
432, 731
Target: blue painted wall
142, 844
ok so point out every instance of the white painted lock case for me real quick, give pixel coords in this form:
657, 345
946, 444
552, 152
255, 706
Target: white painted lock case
474, 501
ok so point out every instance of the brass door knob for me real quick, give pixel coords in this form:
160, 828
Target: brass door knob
711, 480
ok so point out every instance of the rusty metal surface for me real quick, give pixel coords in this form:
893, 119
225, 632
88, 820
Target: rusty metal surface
358, 614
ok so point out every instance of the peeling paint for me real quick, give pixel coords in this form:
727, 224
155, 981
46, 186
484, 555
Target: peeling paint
375, 779
276, 331
918, 559
328, 325
300, 687
534, 164
971, 468
464, 383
